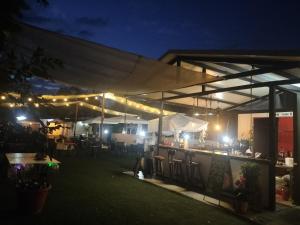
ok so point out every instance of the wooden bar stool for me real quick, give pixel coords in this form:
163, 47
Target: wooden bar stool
171, 153
159, 165
194, 171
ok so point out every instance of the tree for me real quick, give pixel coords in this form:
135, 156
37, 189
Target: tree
16, 69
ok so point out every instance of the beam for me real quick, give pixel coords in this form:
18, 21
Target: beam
242, 87
246, 103
242, 60
206, 98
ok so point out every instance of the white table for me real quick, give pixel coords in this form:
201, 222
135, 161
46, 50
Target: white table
28, 159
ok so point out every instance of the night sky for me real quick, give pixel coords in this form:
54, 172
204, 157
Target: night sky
150, 28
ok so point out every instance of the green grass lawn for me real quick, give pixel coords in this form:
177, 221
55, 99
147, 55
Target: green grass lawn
93, 191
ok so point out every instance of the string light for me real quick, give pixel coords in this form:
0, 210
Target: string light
11, 105
81, 104
36, 105
96, 97
54, 100
65, 99
3, 97
94, 107
29, 99
67, 104
86, 98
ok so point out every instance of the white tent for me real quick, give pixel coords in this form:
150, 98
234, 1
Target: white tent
117, 119
176, 123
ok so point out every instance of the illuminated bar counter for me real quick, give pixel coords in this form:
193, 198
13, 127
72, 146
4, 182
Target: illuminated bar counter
204, 157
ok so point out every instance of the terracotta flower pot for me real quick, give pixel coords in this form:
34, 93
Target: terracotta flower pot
31, 201
241, 207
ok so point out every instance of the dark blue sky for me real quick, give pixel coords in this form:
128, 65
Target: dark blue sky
150, 28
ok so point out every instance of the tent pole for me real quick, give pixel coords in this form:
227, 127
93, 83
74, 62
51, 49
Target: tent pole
76, 115
125, 117
272, 147
160, 121
102, 119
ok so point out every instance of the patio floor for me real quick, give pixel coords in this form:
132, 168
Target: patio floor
284, 215
94, 191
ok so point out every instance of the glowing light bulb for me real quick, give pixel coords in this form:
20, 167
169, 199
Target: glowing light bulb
67, 104
3, 97
81, 104
94, 107
54, 100
218, 127
65, 99
196, 114
86, 98
29, 99
11, 105
96, 97
36, 105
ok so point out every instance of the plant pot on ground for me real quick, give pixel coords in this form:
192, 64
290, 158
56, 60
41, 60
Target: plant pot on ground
31, 198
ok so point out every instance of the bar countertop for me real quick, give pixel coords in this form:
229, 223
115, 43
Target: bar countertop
217, 152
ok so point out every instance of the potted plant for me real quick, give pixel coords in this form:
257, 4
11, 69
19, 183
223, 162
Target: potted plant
241, 200
251, 171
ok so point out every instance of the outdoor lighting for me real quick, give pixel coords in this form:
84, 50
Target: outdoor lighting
81, 104
96, 97
3, 97
196, 114
54, 100
138, 117
86, 98
186, 136
67, 104
226, 139
94, 107
123, 132
20, 118
142, 133
30, 123
105, 131
210, 114
65, 99
218, 127
29, 99
11, 105
36, 105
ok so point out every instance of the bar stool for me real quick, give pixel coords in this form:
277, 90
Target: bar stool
194, 168
171, 153
175, 166
159, 165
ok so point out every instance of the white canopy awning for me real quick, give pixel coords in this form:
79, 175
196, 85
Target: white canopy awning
101, 68
178, 122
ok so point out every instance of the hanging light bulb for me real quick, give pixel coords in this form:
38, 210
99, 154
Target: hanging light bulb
65, 99
81, 104
96, 97
36, 105
11, 105
86, 98
29, 99
218, 127
3, 97
54, 100
67, 104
